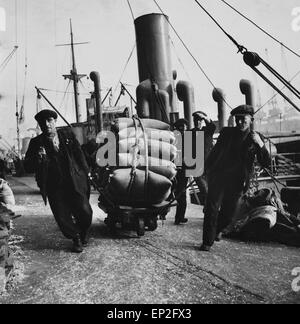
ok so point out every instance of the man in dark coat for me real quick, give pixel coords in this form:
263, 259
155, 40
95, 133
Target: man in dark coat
181, 179
62, 176
229, 167
201, 118
2, 169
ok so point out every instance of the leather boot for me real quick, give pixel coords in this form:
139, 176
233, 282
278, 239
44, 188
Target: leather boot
84, 239
77, 245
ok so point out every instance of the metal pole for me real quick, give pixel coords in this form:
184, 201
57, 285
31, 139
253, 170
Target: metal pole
60, 115
129, 94
74, 76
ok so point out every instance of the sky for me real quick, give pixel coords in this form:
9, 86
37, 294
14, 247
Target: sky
36, 26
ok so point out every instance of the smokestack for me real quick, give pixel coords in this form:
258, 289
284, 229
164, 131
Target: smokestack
154, 63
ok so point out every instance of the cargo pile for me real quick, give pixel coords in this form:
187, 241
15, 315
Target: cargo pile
145, 163
6, 259
7, 201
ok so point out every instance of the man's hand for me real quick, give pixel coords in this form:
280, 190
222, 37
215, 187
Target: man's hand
42, 152
257, 140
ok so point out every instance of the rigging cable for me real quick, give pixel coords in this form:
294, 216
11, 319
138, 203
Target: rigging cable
261, 29
253, 60
130, 9
180, 61
17, 85
191, 54
58, 91
241, 49
127, 62
7, 59
22, 113
275, 95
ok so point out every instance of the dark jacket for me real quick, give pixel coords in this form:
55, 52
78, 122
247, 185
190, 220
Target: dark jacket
233, 158
75, 169
209, 131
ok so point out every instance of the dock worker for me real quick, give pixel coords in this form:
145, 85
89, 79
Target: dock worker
2, 169
202, 123
230, 165
181, 126
62, 176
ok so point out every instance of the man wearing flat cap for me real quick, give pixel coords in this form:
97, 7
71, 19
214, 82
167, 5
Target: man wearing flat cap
230, 165
203, 124
62, 176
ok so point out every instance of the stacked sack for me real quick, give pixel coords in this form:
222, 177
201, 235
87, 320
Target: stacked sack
6, 261
145, 157
6, 194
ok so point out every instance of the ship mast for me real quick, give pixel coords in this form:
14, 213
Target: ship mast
74, 76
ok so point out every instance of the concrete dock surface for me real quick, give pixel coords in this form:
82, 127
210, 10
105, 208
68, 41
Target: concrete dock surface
163, 267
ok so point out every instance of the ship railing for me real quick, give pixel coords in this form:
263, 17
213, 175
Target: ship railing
284, 166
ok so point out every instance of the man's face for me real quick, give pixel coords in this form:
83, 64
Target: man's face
243, 122
182, 128
48, 126
198, 122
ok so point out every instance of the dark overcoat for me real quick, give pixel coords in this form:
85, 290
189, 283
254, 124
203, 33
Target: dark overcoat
76, 167
233, 157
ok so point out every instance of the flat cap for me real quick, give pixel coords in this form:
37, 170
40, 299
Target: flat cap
243, 110
45, 114
181, 122
199, 114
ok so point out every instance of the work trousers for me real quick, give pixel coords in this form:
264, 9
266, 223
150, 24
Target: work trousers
72, 211
182, 182
203, 188
221, 205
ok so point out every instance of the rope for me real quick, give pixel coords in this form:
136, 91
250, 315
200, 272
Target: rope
261, 29
179, 60
190, 53
17, 85
129, 5
7, 59
127, 62
294, 77
241, 49
109, 91
146, 157
57, 91
256, 57
253, 60
274, 179
281, 78
275, 87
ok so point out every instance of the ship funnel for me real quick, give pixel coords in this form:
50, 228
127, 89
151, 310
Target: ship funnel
155, 67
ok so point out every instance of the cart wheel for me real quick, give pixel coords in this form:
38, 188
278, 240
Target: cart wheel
152, 224
140, 226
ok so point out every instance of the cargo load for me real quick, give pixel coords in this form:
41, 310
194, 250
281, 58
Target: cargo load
145, 169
